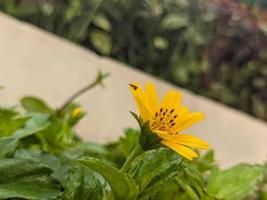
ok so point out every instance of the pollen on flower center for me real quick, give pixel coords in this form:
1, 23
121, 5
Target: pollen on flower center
164, 120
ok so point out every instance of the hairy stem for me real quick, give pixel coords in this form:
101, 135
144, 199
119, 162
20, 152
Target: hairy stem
136, 151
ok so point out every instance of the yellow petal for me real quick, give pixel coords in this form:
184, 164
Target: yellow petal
187, 120
144, 111
141, 101
135, 89
171, 100
180, 149
152, 96
184, 139
182, 110
136, 92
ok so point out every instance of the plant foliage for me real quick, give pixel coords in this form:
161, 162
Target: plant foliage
42, 158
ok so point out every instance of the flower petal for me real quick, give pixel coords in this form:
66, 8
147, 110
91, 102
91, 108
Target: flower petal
152, 96
141, 101
180, 149
171, 100
187, 120
184, 139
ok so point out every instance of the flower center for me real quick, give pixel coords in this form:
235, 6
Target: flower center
164, 120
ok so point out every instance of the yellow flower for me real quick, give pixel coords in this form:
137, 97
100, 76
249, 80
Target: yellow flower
76, 112
168, 119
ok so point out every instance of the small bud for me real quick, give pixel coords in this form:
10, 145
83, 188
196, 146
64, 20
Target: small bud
76, 112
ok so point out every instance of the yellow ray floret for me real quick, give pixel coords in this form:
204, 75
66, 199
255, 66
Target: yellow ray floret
168, 118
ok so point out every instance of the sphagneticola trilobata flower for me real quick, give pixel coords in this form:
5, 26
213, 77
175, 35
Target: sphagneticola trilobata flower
162, 123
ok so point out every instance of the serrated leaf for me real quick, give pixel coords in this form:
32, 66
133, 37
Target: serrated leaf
12, 168
234, 183
38, 187
60, 170
154, 165
154, 188
27, 179
37, 123
34, 104
84, 183
122, 185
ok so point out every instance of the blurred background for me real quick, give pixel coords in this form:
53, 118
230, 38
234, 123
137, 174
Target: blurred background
216, 48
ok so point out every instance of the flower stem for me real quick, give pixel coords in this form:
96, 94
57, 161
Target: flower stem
136, 151
98, 81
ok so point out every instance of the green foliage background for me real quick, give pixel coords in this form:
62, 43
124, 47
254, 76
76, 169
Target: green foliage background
213, 48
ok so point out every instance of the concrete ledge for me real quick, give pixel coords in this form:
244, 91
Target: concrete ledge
34, 62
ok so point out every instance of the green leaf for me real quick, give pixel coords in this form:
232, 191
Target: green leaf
206, 162
154, 188
27, 179
79, 26
128, 141
170, 190
121, 149
174, 21
34, 104
85, 149
7, 146
154, 165
235, 183
192, 181
137, 118
10, 121
58, 136
102, 22
60, 169
189, 190
187, 184
160, 42
84, 183
122, 185
101, 41
37, 123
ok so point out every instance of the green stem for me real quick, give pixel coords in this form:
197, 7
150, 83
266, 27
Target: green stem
136, 151
98, 81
